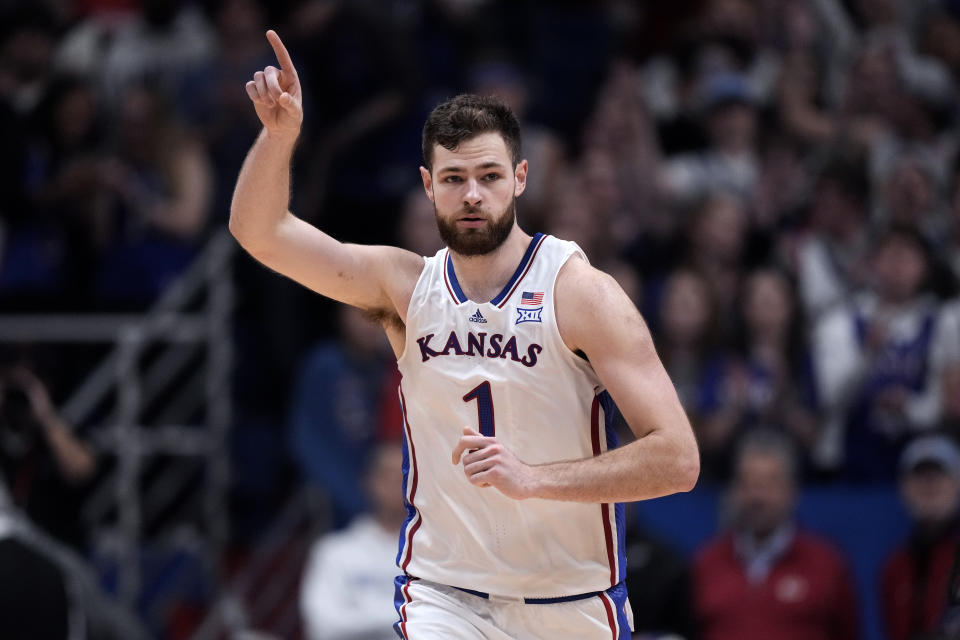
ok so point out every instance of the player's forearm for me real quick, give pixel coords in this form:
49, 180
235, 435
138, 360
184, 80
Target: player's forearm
262, 195
650, 467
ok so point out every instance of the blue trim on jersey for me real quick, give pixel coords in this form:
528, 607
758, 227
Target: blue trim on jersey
411, 511
618, 593
557, 600
619, 509
520, 269
454, 283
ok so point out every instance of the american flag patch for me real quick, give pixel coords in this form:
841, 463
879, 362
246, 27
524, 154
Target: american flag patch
531, 297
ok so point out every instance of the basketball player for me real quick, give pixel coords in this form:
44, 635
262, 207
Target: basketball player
510, 347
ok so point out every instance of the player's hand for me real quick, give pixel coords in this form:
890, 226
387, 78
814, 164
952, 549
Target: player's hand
276, 93
488, 463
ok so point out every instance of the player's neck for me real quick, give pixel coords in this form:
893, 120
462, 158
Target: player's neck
483, 277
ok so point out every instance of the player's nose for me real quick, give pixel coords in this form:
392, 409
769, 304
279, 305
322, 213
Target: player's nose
472, 195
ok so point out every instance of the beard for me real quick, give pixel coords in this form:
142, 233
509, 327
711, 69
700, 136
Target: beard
476, 242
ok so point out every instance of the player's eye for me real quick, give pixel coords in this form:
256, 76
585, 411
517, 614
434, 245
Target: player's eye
490, 177
453, 179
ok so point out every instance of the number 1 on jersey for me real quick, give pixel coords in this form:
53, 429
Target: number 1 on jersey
484, 397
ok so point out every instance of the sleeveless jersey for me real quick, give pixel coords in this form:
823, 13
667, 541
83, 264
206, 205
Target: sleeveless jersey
502, 368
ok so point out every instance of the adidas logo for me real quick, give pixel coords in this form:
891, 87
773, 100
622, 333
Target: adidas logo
477, 317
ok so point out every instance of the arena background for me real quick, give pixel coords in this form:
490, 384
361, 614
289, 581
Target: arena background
722, 158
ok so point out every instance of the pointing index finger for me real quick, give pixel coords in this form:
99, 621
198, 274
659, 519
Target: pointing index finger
283, 56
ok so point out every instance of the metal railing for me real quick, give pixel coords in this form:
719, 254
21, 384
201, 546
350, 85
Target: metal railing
179, 351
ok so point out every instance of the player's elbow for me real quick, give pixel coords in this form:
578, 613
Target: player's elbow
252, 243
688, 468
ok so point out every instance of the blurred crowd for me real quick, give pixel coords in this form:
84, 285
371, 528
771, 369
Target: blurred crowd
775, 183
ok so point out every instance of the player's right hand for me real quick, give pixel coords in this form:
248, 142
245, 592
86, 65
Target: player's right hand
276, 93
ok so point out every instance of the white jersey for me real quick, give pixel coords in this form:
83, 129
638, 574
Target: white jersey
501, 367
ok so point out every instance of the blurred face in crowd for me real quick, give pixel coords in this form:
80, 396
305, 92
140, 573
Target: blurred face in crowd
874, 82
768, 303
720, 229
877, 11
686, 310
910, 194
140, 124
930, 493
418, 232
835, 210
75, 115
800, 23
733, 128
601, 181
239, 19
736, 18
900, 267
941, 38
474, 189
763, 492
27, 53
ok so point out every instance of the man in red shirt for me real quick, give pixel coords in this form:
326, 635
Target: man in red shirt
765, 579
915, 577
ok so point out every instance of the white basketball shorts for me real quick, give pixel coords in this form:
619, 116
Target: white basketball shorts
431, 611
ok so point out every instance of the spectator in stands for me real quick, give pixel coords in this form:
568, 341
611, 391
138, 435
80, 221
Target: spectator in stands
156, 44
915, 577
621, 160
417, 228
717, 237
878, 363
336, 414
910, 200
161, 188
769, 382
831, 256
766, 578
347, 591
43, 462
730, 163
52, 254
686, 339
30, 251
207, 98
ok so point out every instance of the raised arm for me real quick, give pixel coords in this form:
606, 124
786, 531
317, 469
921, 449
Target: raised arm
595, 316
373, 278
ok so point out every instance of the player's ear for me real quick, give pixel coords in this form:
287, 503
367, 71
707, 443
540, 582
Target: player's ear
520, 174
427, 182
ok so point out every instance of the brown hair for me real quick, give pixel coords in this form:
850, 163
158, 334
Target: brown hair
466, 116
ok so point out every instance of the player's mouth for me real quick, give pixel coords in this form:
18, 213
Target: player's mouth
472, 222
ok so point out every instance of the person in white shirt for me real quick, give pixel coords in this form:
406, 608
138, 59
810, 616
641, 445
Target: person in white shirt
878, 362
347, 589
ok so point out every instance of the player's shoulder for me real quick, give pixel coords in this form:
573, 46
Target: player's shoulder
581, 282
591, 306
